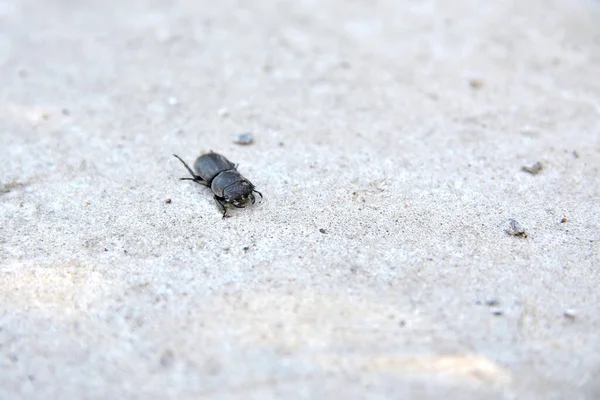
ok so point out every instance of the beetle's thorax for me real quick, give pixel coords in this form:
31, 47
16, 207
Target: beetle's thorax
229, 182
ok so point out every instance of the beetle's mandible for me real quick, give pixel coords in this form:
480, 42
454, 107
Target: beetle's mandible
222, 177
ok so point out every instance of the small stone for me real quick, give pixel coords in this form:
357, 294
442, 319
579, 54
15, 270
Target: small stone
167, 358
497, 311
563, 220
168, 201
322, 230
491, 301
534, 169
245, 138
515, 229
570, 314
475, 83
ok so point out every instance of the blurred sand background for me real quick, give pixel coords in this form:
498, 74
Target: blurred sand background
390, 137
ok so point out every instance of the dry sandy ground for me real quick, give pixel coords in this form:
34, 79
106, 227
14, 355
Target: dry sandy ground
399, 128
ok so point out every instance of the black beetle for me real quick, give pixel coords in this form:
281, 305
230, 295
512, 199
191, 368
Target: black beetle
221, 175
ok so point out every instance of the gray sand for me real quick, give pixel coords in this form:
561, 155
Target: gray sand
397, 128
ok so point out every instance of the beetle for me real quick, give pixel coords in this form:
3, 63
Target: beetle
222, 177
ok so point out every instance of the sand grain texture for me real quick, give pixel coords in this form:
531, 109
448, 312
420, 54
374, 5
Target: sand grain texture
397, 128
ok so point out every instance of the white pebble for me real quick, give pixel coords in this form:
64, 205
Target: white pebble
244, 138
497, 311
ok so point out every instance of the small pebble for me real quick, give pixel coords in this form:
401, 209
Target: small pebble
534, 169
491, 301
245, 138
322, 230
515, 229
475, 83
497, 311
563, 220
167, 358
570, 314
168, 201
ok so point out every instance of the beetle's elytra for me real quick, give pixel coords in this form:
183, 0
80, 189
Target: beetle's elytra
222, 177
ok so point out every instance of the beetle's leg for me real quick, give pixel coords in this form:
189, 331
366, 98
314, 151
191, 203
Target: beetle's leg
195, 178
200, 181
186, 166
252, 198
222, 207
254, 190
238, 205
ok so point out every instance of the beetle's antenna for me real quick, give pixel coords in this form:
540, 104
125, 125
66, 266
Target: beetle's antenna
186, 167
254, 190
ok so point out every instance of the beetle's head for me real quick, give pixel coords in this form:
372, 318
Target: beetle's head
239, 194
